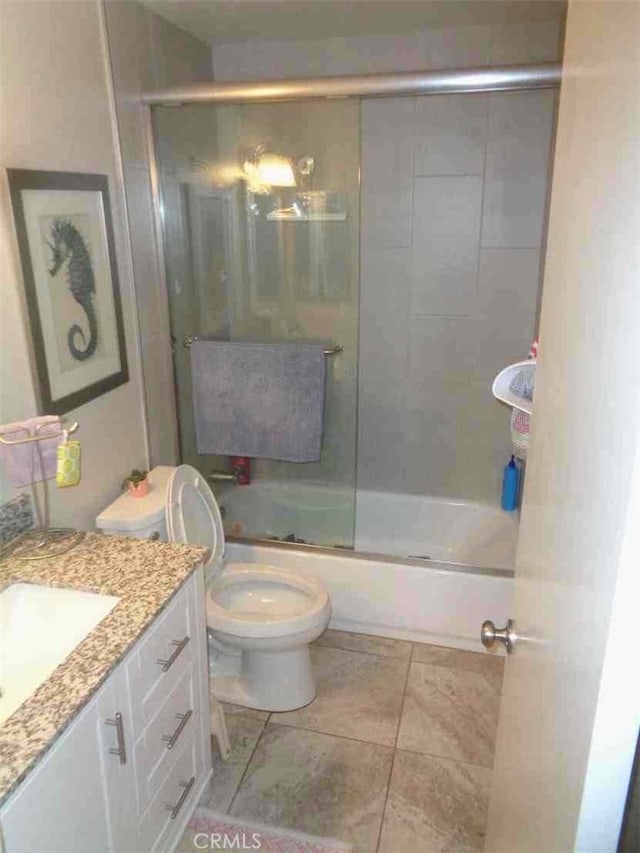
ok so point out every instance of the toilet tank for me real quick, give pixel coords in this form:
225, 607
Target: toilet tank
142, 518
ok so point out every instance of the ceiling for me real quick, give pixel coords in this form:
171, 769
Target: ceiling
238, 20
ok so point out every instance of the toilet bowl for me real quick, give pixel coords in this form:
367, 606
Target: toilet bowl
261, 619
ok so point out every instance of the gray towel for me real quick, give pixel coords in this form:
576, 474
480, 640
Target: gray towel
259, 400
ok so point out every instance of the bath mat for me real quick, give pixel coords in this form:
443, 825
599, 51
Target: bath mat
209, 830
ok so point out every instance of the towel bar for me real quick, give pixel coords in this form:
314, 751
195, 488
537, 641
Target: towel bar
330, 351
42, 541
68, 430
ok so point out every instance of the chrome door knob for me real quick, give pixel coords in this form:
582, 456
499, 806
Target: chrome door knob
489, 635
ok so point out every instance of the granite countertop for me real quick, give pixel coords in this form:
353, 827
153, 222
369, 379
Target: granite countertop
144, 575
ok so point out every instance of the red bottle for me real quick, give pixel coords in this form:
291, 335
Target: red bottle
241, 466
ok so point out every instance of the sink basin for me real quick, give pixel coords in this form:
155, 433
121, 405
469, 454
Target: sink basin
39, 628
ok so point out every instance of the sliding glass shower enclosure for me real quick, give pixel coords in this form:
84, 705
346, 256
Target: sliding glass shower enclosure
261, 216
405, 235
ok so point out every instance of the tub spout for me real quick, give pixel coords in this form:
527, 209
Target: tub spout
222, 477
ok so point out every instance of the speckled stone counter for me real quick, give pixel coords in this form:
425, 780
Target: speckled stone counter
144, 575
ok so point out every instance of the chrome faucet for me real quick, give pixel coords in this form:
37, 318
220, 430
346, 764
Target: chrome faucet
222, 477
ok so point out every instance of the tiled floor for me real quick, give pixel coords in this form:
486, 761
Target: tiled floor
393, 755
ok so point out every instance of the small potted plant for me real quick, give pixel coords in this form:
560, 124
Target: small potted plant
137, 483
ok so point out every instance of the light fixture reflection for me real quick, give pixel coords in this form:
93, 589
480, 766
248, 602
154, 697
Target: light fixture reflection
276, 170
265, 169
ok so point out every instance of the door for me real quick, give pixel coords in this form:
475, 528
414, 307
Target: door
569, 714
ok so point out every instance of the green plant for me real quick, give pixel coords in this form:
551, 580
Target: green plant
135, 477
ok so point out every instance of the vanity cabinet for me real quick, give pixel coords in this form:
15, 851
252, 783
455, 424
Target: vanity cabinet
128, 772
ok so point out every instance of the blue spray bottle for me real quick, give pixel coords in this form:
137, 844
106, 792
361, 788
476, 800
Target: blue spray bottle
510, 485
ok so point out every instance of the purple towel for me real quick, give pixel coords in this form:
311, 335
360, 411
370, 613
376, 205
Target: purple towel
259, 400
22, 461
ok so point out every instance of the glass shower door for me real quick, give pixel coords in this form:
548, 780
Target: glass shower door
261, 228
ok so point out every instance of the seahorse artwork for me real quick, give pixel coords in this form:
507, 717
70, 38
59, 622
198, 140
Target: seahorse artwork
67, 242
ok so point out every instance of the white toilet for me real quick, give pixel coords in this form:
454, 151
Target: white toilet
261, 618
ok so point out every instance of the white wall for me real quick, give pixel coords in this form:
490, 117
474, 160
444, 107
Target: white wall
57, 115
442, 47
147, 52
452, 223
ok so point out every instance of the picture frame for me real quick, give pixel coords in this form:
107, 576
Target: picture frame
67, 252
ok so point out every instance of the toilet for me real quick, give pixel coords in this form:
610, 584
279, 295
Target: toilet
261, 619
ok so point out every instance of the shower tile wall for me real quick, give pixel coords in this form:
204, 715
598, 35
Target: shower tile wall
453, 207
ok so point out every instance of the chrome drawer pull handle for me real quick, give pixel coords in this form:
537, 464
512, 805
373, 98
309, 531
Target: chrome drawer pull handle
170, 740
183, 796
120, 750
179, 647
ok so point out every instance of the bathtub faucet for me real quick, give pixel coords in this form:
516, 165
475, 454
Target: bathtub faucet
240, 472
222, 477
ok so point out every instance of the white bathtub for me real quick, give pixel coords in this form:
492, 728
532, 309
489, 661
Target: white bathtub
387, 523
410, 600
453, 531
402, 594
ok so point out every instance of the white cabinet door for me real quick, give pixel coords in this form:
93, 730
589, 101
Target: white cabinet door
115, 737
61, 806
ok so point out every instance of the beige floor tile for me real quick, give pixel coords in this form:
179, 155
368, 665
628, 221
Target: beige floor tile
435, 805
243, 734
451, 713
316, 783
383, 646
359, 696
457, 658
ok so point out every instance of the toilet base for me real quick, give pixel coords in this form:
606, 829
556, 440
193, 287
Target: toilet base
267, 681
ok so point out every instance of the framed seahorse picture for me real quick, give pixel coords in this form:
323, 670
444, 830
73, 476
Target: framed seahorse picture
67, 252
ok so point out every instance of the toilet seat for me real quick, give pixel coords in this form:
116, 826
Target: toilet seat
250, 600
193, 515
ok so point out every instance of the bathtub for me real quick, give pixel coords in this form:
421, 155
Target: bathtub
464, 532
423, 568
414, 526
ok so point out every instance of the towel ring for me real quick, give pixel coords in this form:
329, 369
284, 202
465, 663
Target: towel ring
190, 339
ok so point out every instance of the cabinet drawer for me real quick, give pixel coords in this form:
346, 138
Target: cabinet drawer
163, 738
162, 657
174, 799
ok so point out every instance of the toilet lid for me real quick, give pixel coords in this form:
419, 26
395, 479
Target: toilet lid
192, 512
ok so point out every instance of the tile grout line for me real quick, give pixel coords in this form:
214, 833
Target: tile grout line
456, 668
360, 652
395, 749
330, 734
483, 655
447, 758
246, 767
